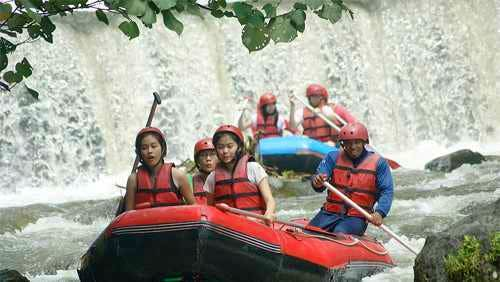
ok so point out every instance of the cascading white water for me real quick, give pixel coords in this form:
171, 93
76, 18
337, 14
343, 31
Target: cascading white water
421, 74
411, 70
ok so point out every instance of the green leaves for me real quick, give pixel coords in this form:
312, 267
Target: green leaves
101, 16
32, 92
149, 17
12, 77
270, 10
242, 11
31, 10
24, 68
5, 10
194, 9
314, 4
282, 29
300, 6
260, 24
17, 21
298, 20
130, 29
165, 4
135, 7
47, 27
6, 46
217, 13
331, 12
172, 23
4, 61
254, 38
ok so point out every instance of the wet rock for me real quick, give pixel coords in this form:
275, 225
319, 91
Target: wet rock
10, 275
492, 158
454, 160
429, 264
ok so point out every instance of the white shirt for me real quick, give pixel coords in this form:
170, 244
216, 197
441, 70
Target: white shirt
280, 124
255, 174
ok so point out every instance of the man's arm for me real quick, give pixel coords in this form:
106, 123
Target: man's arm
294, 121
385, 187
324, 171
243, 122
344, 113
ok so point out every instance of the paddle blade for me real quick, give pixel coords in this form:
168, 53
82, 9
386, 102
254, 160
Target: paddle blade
393, 164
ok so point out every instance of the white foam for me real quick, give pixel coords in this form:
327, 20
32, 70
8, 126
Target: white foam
396, 274
417, 156
104, 188
56, 224
439, 205
400, 253
60, 276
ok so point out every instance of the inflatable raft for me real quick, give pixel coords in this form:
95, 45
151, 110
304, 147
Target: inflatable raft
203, 243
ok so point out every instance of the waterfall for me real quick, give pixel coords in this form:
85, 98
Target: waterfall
411, 70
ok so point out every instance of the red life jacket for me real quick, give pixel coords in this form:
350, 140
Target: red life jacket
267, 125
236, 190
316, 128
164, 193
199, 194
359, 184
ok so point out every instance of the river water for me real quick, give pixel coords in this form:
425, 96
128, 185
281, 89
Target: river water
44, 231
421, 74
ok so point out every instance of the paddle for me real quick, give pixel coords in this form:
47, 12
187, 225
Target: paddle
393, 164
367, 215
225, 207
157, 101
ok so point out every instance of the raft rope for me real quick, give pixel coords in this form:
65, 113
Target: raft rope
381, 253
354, 242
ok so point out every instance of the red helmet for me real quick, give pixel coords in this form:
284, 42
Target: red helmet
354, 131
203, 144
229, 129
266, 99
316, 90
155, 131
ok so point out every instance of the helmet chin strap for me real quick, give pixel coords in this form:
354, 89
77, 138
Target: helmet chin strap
163, 154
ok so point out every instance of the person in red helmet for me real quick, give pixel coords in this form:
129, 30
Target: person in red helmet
155, 183
206, 159
266, 122
238, 180
363, 176
313, 126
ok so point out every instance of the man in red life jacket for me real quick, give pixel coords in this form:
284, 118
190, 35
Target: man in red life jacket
156, 183
267, 122
314, 126
363, 176
206, 159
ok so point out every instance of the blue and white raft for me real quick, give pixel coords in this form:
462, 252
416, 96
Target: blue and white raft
292, 153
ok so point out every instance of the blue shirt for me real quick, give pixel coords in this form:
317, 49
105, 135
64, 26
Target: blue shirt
385, 186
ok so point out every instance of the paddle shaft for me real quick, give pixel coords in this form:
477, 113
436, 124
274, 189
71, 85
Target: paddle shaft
320, 114
254, 215
311, 228
156, 102
367, 215
393, 164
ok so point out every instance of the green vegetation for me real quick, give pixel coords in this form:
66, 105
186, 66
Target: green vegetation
470, 264
24, 21
290, 174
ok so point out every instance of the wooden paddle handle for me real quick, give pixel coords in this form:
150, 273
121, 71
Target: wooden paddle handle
157, 101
